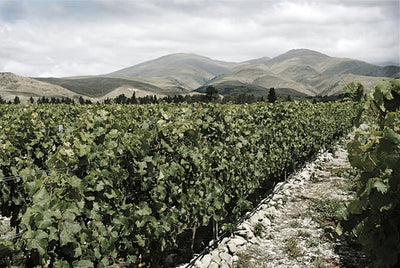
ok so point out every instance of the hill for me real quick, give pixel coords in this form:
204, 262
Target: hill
99, 86
298, 72
304, 71
187, 71
12, 85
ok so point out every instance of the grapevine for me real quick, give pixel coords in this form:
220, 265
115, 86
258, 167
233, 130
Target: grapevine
374, 215
117, 184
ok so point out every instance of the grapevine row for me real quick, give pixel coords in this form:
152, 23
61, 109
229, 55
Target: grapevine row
124, 181
374, 214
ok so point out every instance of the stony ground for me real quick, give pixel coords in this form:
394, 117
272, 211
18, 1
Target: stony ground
6, 232
292, 227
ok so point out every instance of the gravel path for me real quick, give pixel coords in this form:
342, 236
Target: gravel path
292, 228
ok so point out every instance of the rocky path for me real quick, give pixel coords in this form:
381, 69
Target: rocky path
293, 227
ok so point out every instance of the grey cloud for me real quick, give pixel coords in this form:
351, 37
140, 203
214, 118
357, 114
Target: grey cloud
69, 38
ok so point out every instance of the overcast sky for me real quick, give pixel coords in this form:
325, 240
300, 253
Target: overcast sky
77, 37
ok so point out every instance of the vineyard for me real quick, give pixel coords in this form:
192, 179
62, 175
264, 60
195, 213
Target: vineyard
374, 215
104, 185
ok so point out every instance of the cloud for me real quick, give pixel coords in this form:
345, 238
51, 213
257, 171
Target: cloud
63, 38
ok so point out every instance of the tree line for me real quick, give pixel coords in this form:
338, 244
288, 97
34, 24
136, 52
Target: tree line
210, 96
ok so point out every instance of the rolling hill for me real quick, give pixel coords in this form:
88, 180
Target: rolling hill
187, 71
303, 71
99, 86
298, 72
12, 85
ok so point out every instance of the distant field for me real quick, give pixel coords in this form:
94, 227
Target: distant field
96, 87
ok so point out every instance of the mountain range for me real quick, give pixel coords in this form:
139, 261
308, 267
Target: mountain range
298, 72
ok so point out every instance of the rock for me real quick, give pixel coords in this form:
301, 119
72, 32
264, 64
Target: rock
235, 259
238, 241
213, 265
223, 248
266, 222
226, 257
215, 257
254, 220
232, 248
271, 211
254, 240
246, 226
277, 197
224, 241
225, 265
206, 260
250, 235
241, 233
198, 264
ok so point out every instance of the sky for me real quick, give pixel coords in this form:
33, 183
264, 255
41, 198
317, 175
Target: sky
42, 38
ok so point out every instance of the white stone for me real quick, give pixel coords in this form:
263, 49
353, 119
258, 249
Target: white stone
198, 264
254, 240
238, 241
206, 260
266, 222
287, 192
226, 257
224, 265
224, 241
215, 257
242, 233
271, 211
223, 248
277, 197
254, 220
213, 265
244, 226
232, 248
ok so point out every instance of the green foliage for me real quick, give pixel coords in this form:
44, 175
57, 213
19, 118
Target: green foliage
374, 215
354, 92
258, 229
121, 182
292, 248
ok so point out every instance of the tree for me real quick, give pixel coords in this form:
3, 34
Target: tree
121, 99
211, 93
271, 95
16, 100
133, 99
31, 100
